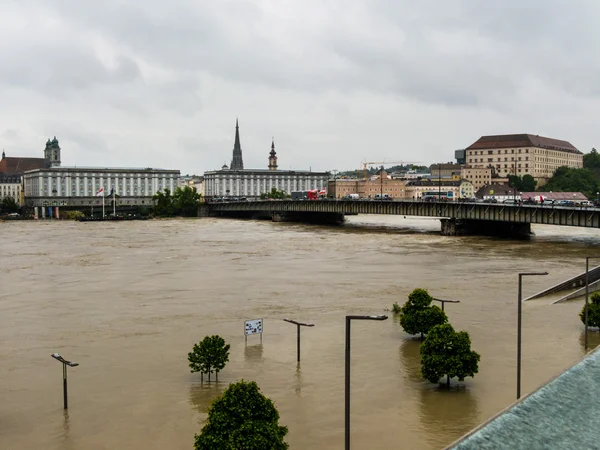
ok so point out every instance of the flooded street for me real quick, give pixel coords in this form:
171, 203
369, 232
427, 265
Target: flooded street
128, 300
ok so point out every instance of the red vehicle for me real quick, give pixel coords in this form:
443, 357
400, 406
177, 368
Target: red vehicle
312, 195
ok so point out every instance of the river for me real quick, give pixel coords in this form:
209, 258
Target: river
128, 300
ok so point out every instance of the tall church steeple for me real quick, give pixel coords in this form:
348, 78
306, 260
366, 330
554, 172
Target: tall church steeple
237, 163
273, 157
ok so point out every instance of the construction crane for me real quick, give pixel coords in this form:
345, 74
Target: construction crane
370, 163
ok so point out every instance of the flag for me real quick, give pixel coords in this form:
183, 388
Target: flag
100, 193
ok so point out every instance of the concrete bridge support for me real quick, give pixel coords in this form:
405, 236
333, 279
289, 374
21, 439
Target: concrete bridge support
470, 227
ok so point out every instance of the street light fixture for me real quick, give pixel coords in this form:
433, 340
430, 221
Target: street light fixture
299, 324
519, 314
347, 380
445, 301
587, 295
65, 363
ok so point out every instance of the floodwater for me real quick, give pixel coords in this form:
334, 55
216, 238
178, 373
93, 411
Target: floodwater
128, 300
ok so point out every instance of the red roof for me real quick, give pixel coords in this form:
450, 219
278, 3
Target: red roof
575, 196
11, 165
522, 140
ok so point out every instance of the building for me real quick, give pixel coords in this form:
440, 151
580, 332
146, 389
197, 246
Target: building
498, 192
480, 177
523, 154
460, 156
576, 197
194, 181
445, 170
10, 186
80, 186
381, 183
235, 181
415, 190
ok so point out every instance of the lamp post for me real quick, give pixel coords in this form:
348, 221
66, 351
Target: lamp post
445, 301
587, 295
519, 321
347, 379
299, 324
65, 363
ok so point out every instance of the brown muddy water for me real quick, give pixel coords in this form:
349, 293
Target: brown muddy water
128, 300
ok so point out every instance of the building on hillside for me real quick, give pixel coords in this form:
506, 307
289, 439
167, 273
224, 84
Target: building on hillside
196, 181
576, 197
374, 185
480, 177
235, 181
452, 189
445, 170
521, 154
498, 192
11, 186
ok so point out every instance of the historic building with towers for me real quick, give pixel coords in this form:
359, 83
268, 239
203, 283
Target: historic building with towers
235, 181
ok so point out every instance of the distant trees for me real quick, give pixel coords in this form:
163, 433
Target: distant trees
448, 353
591, 160
184, 202
242, 418
9, 205
211, 354
274, 194
417, 316
593, 311
526, 183
566, 179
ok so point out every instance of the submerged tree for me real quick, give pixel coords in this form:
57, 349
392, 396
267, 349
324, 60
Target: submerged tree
448, 353
593, 311
418, 316
186, 201
242, 418
211, 354
163, 204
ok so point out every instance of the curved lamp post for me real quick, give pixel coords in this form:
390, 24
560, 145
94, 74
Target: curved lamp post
299, 324
65, 363
347, 385
519, 314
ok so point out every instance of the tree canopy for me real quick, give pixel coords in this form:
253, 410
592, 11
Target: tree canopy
242, 419
183, 202
418, 316
591, 160
275, 194
9, 205
448, 353
211, 354
566, 179
593, 311
526, 183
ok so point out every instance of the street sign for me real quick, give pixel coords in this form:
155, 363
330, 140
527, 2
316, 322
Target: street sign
253, 327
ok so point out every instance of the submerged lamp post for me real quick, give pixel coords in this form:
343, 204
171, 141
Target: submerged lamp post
347, 380
65, 363
298, 325
445, 301
519, 313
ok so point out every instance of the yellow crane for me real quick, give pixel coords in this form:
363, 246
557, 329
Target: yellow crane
371, 163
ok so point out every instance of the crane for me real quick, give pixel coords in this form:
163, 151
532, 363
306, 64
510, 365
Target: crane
369, 163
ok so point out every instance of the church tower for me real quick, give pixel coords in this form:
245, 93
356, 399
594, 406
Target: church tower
52, 152
273, 157
237, 163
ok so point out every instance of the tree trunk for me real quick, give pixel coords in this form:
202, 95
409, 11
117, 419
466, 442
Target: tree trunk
422, 336
448, 381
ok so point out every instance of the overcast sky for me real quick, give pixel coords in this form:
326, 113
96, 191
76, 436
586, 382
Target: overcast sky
334, 82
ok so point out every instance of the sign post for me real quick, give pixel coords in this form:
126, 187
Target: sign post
251, 327
298, 325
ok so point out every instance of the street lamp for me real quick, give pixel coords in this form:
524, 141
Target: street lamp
519, 313
65, 363
587, 295
445, 301
347, 387
299, 324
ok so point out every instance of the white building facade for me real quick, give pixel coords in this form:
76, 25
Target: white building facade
252, 183
10, 186
78, 186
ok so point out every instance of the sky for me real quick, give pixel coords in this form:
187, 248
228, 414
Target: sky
334, 82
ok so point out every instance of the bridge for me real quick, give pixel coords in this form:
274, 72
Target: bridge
457, 218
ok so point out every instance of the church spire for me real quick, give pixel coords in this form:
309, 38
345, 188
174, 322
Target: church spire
272, 156
237, 163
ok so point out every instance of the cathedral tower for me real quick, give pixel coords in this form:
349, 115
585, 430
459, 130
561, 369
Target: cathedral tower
273, 157
52, 152
237, 163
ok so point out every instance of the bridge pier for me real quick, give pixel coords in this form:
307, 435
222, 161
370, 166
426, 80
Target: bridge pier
470, 227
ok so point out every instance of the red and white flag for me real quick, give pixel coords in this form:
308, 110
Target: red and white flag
100, 193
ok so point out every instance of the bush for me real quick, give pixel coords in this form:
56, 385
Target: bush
417, 316
211, 354
74, 215
593, 311
396, 308
242, 418
448, 353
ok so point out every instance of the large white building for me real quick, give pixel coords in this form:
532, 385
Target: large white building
10, 186
235, 181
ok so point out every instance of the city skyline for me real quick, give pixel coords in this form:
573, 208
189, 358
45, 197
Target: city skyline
335, 84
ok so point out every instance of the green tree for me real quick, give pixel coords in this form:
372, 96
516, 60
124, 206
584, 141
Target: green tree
242, 419
275, 194
163, 204
9, 205
591, 160
448, 353
522, 184
418, 316
593, 311
211, 354
186, 201
566, 179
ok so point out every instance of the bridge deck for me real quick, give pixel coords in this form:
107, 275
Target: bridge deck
534, 214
